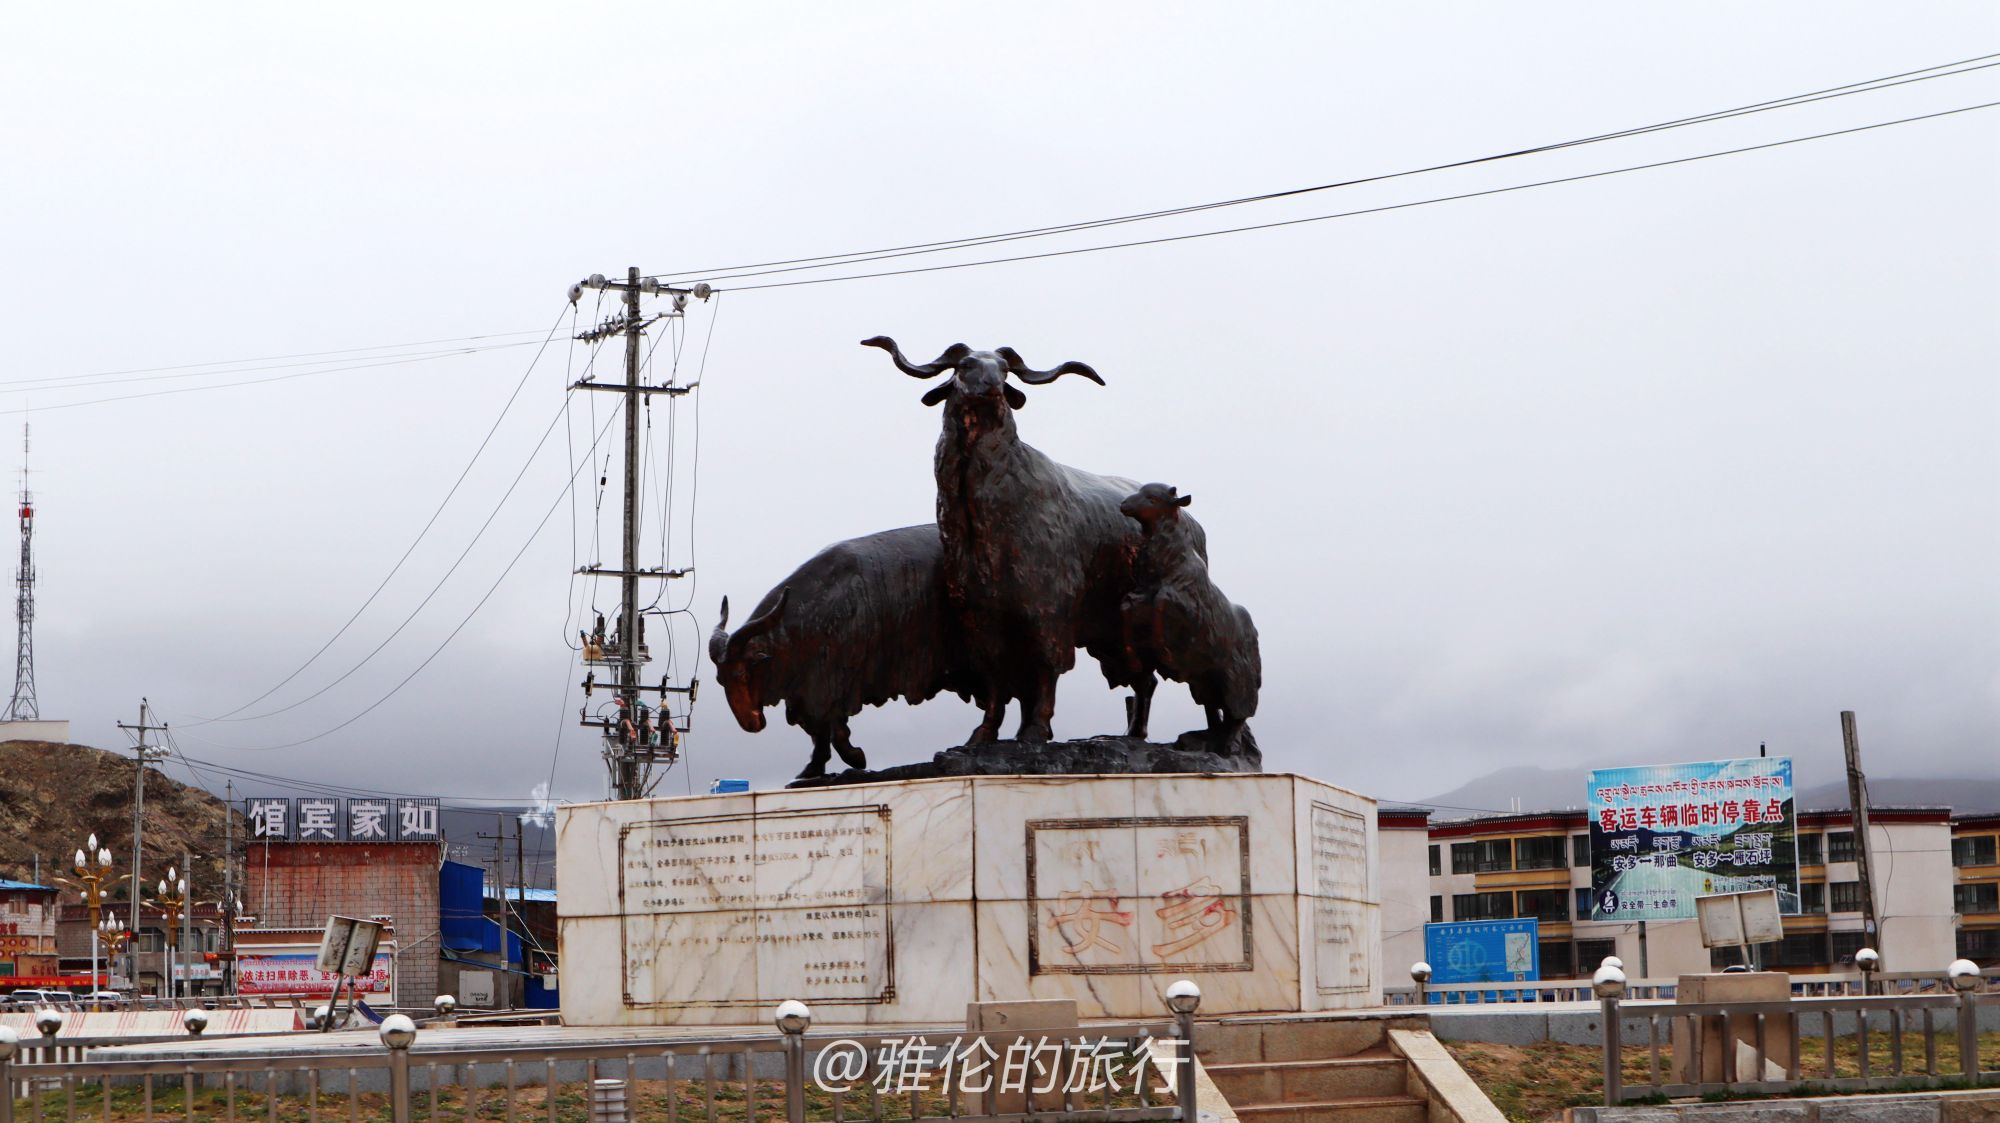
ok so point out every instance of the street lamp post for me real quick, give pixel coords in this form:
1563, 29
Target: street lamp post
93, 868
112, 936
172, 898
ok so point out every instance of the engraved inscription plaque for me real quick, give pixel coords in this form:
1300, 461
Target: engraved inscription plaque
1340, 886
756, 908
1138, 896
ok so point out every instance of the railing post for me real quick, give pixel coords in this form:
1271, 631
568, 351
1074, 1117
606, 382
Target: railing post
1964, 977
793, 1019
9, 1042
1420, 973
1184, 998
398, 1032
1609, 985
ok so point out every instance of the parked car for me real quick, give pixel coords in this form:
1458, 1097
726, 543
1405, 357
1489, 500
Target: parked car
104, 998
36, 999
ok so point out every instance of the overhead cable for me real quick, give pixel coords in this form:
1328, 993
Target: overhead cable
1368, 210
827, 261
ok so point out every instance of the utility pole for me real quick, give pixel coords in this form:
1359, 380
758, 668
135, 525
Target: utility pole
145, 755
628, 752
227, 960
187, 926
1857, 797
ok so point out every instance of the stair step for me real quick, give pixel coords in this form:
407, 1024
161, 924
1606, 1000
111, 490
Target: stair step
1372, 1072
1341, 1109
1296, 1039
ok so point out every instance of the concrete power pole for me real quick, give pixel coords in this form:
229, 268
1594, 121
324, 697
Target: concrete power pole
1857, 797
145, 755
628, 757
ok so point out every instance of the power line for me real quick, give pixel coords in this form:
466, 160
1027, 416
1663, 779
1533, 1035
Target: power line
533, 454
59, 383
308, 354
446, 642
1370, 210
254, 381
418, 540
826, 261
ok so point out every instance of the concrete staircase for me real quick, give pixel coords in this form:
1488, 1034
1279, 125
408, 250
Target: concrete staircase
1313, 1070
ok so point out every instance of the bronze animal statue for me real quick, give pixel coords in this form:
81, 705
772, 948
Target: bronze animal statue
1037, 558
1178, 624
860, 623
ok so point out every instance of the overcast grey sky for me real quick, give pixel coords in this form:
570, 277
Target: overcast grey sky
1642, 468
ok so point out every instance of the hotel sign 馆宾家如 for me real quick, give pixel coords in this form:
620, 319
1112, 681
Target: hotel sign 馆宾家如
321, 819
1660, 836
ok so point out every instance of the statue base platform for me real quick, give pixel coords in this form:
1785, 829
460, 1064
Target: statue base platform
900, 902
1191, 752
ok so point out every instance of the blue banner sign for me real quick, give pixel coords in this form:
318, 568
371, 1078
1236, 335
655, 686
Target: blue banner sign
1484, 951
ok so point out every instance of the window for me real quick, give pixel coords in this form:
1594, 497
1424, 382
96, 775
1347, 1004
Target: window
1437, 909
1847, 896
1807, 949
1579, 849
1490, 856
1555, 960
1840, 846
1979, 943
1543, 904
1482, 906
1590, 954
1974, 850
1541, 853
1976, 897
1583, 904
1811, 853
1435, 868
1724, 955
1845, 944
1812, 897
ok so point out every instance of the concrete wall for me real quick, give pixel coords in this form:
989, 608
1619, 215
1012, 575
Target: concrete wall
1406, 904
56, 732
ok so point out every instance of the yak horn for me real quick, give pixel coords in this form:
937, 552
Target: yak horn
1035, 377
718, 640
945, 362
765, 621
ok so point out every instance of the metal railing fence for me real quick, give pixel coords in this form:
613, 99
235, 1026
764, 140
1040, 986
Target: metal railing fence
1761, 1047
886, 1078
1850, 984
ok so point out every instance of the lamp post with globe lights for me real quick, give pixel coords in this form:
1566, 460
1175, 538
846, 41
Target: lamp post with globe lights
1869, 961
171, 897
111, 936
93, 868
1609, 985
1964, 977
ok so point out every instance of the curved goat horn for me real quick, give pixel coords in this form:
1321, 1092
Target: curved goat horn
718, 640
1035, 377
945, 362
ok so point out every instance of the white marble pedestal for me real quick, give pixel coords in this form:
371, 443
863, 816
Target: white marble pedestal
901, 902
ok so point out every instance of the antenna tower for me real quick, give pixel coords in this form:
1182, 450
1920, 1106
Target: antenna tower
23, 706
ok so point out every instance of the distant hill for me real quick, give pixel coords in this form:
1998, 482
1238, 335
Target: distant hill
1546, 789
54, 796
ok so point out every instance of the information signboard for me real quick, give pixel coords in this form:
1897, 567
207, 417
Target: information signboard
1663, 835
1484, 951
